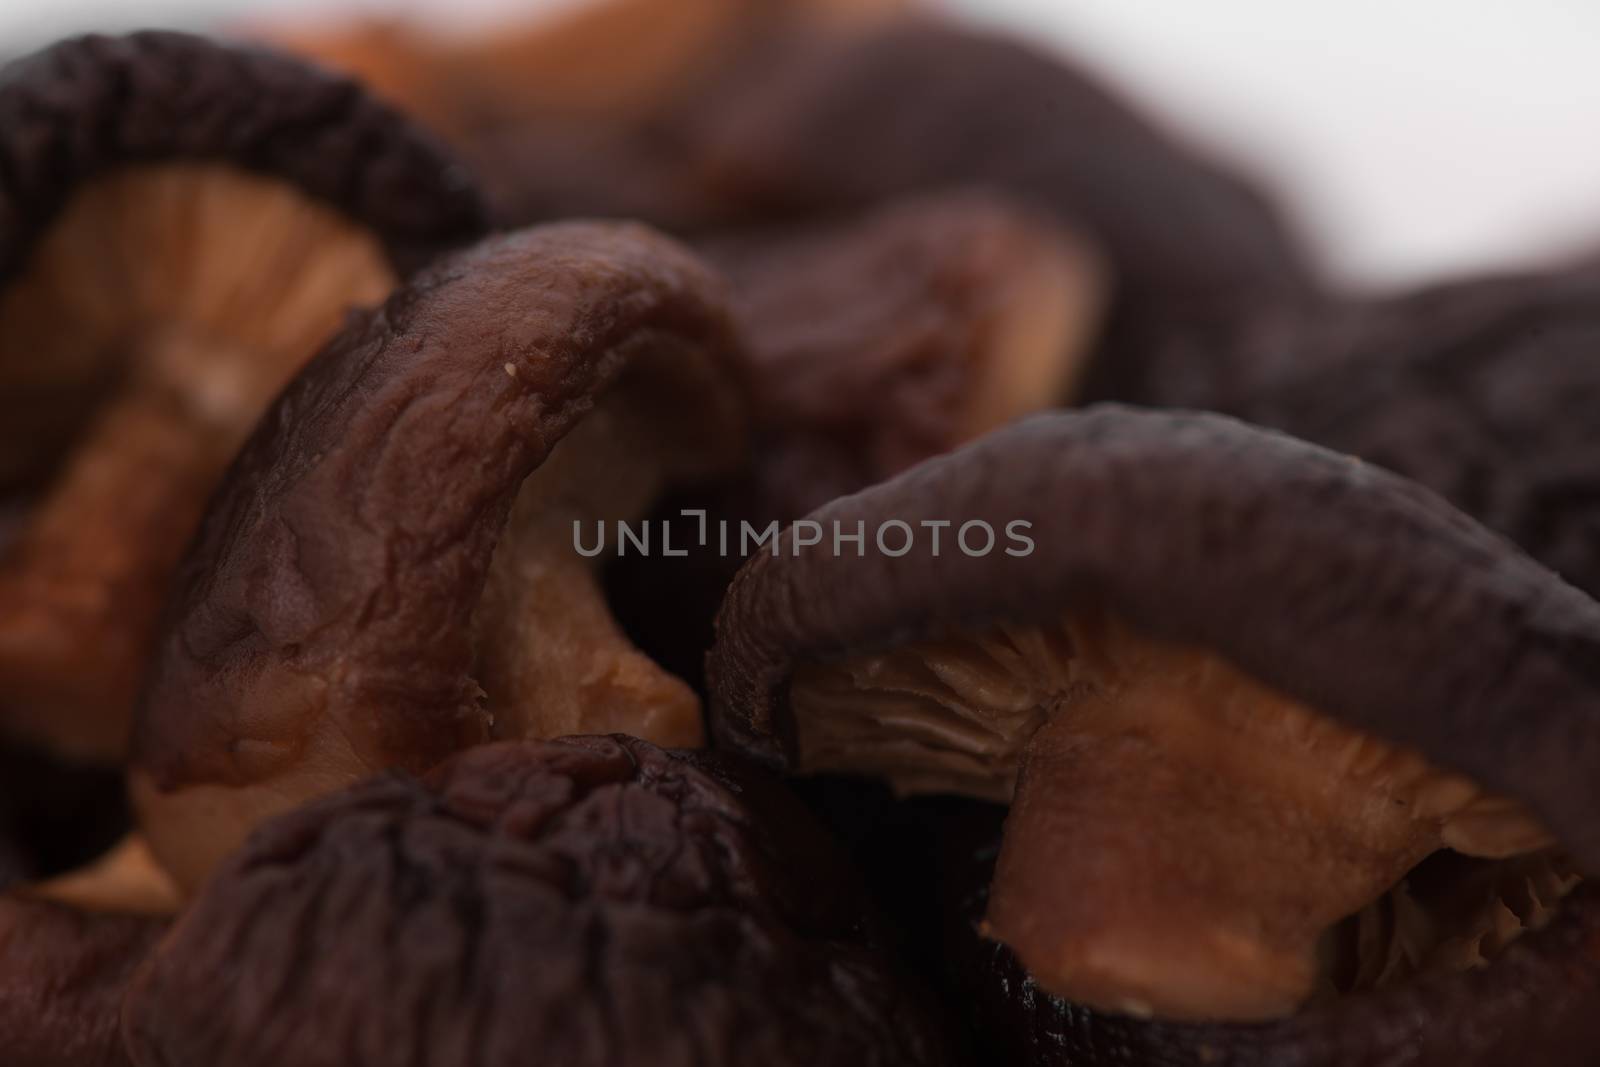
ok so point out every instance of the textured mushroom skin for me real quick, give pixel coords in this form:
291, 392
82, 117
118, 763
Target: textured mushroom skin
63, 973
70, 111
323, 620
1339, 580
1484, 391
592, 900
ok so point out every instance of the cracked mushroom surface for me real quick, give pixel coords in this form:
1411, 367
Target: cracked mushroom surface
391, 570
182, 223
1483, 390
1234, 687
588, 900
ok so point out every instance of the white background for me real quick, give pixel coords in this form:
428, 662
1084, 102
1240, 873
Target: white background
1411, 137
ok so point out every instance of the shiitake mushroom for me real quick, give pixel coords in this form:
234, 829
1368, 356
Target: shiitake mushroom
391, 570
63, 974
1485, 390
591, 900
1236, 690
182, 222
784, 112
870, 343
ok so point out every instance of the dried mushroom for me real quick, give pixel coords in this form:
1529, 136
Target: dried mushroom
589, 900
870, 343
877, 342
819, 122
181, 224
1485, 391
63, 974
555, 111
787, 112
392, 569
1235, 688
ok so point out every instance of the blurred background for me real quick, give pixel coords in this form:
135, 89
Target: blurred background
1412, 138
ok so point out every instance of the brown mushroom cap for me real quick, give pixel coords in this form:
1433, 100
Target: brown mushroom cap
63, 972
884, 339
1484, 390
389, 572
181, 224
1236, 679
589, 900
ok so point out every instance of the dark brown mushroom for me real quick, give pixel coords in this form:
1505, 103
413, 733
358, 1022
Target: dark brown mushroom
804, 122
68, 949
878, 341
782, 115
1235, 688
871, 343
391, 570
182, 223
1484, 390
554, 111
63, 974
592, 900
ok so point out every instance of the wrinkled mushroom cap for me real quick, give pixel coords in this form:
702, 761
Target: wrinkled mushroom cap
588, 900
1202, 603
63, 973
389, 573
182, 224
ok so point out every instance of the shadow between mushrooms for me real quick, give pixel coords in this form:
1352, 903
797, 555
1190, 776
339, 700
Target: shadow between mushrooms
391, 572
1236, 689
591, 900
182, 224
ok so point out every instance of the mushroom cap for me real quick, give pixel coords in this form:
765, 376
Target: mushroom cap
323, 625
902, 332
588, 900
1337, 584
63, 972
87, 104
1484, 390
181, 224
811, 123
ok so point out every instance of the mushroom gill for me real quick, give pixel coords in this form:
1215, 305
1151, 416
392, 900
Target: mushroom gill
150, 328
1183, 840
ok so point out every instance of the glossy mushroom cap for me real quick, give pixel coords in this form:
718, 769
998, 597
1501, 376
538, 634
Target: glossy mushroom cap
391, 570
1234, 686
589, 900
182, 224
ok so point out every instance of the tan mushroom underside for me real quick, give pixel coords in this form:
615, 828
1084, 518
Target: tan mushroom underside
127, 880
1181, 837
156, 320
552, 659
